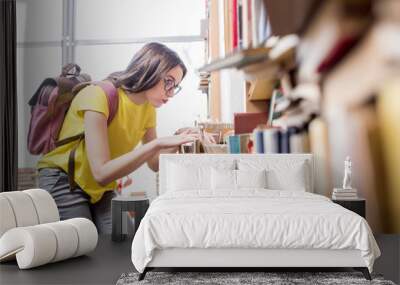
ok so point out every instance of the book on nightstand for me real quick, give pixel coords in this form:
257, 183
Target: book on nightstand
344, 194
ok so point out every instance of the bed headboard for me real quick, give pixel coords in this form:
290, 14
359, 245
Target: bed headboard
237, 161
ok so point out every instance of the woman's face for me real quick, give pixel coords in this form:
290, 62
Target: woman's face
166, 88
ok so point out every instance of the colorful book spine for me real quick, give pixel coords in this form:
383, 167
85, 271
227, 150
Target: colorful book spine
235, 24
240, 23
245, 123
284, 142
234, 144
271, 140
245, 143
258, 140
297, 143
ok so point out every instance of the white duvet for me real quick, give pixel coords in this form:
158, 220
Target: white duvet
250, 219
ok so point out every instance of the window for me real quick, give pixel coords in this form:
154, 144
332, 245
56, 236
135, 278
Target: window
102, 36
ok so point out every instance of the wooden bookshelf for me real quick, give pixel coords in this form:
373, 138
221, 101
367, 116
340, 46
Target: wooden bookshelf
237, 59
215, 80
357, 108
358, 104
256, 106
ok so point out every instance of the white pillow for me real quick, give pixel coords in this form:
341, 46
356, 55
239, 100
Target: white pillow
294, 179
251, 178
185, 177
223, 179
227, 179
282, 174
193, 172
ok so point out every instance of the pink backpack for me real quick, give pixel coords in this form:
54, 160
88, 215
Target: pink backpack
50, 104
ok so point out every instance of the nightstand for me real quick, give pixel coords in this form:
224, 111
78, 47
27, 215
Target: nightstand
357, 205
121, 204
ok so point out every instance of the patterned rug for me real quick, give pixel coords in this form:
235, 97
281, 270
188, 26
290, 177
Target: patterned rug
230, 278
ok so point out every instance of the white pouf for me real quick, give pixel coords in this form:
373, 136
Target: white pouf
23, 208
45, 206
31, 231
37, 245
7, 218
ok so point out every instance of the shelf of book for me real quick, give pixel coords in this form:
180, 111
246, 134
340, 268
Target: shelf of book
339, 81
237, 59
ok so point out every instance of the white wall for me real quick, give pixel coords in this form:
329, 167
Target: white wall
35, 63
39, 20
232, 90
109, 21
97, 19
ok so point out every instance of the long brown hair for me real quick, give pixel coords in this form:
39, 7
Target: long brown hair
147, 67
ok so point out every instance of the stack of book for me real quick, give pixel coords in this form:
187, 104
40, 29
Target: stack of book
344, 194
27, 178
276, 140
246, 23
204, 82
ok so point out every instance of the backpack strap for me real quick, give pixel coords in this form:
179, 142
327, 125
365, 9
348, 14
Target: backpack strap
112, 99
69, 139
111, 94
71, 163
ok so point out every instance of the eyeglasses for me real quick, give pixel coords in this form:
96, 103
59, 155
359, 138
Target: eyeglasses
169, 85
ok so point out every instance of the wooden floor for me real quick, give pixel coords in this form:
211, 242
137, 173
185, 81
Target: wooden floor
110, 260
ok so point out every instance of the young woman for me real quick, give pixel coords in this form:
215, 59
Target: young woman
108, 151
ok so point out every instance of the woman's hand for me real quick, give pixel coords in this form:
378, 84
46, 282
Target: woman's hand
187, 130
205, 138
175, 141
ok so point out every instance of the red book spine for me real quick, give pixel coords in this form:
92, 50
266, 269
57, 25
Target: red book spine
245, 123
235, 24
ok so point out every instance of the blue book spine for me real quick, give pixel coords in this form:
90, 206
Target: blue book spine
258, 141
277, 141
234, 144
285, 142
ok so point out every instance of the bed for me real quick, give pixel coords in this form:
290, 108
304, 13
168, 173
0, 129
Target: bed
247, 211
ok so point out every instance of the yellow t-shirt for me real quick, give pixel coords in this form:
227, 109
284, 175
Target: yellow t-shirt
125, 131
